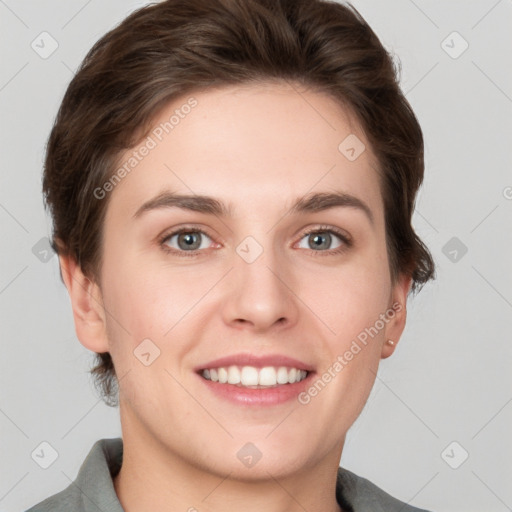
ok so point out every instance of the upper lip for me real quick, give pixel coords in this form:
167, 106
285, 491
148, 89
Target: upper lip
258, 361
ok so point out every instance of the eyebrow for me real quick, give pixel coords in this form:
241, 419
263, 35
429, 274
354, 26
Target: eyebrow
196, 203
311, 203
325, 200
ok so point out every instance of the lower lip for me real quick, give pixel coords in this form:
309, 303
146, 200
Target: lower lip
261, 396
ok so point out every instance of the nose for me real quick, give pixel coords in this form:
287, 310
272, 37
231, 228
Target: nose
260, 295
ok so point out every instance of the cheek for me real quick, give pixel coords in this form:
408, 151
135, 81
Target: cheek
143, 309
351, 298
351, 302
145, 300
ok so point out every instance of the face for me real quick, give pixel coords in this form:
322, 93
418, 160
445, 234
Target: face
271, 273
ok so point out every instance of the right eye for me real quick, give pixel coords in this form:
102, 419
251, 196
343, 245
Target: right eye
187, 240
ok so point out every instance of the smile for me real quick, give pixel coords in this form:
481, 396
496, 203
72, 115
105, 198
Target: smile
256, 378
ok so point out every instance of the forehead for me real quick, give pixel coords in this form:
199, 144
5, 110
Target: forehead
248, 145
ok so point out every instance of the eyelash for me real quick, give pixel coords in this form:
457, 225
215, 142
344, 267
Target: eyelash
347, 242
186, 229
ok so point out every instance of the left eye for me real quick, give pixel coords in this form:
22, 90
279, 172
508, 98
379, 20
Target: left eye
188, 241
320, 240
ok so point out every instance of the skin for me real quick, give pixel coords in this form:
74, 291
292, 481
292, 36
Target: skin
256, 148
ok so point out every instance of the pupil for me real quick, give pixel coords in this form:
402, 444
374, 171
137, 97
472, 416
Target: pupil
321, 241
189, 239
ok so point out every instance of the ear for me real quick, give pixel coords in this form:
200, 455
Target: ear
396, 322
87, 304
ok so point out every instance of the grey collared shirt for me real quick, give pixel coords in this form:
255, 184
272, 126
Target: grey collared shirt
93, 489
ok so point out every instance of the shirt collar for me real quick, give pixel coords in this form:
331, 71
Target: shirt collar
95, 478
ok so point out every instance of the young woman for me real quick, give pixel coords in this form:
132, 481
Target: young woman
231, 184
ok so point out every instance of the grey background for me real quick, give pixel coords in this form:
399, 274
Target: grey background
450, 378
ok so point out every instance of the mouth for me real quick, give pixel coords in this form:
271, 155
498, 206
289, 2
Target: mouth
255, 378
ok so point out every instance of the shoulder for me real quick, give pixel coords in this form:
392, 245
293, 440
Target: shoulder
359, 494
68, 499
93, 488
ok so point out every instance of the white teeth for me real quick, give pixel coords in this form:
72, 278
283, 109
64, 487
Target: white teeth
223, 375
250, 376
267, 376
282, 375
233, 375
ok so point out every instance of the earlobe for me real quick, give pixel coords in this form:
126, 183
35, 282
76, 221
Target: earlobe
397, 315
87, 304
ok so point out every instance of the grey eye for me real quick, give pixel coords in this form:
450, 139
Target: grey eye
189, 241
320, 240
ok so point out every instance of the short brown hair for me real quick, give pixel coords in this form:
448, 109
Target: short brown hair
168, 49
